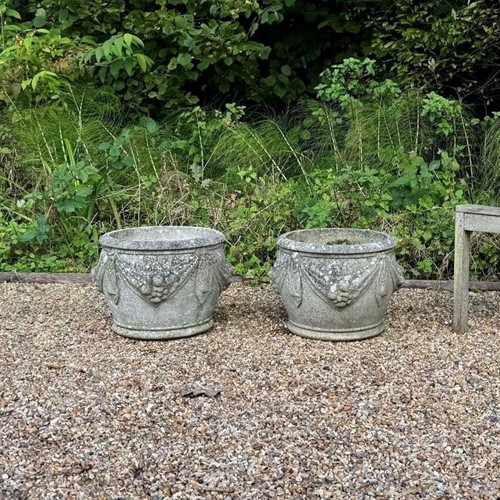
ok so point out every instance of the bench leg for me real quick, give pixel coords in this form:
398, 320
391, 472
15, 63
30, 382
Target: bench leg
461, 276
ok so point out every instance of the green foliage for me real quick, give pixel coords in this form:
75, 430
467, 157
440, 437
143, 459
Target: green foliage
344, 82
34, 60
412, 200
159, 55
442, 112
73, 170
183, 42
117, 59
442, 46
103, 123
487, 169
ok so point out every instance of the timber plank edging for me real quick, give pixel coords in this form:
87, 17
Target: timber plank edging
64, 278
86, 278
486, 286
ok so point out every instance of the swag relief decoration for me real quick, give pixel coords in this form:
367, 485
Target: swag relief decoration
336, 281
157, 278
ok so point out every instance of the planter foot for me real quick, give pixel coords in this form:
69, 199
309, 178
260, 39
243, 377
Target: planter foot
162, 334
339, 335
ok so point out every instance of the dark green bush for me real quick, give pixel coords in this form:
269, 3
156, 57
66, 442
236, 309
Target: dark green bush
272, 51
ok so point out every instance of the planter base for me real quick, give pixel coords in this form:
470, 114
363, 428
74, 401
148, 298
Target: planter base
162, 334
338, 335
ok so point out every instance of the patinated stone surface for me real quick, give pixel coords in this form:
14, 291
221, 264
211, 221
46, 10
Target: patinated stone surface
336, 283
162, 282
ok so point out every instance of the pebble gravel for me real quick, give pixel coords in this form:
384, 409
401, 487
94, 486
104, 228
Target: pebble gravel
246, 410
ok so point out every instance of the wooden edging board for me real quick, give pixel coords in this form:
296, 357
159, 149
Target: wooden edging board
66, 278
83, 278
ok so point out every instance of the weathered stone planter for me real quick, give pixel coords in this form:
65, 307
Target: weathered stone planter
162, 282
336, 283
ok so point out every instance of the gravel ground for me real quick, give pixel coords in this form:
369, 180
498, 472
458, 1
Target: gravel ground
85, 413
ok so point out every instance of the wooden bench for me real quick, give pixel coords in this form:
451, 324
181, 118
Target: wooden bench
468, 218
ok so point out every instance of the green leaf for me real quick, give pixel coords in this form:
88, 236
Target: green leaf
84, 191
102, 73
128, 161
279, 90
104, 146
88, 40
118, 46
181, 21
41, 74
127, 38
270, 80
63, 15
141, 59
106, 48
129, 64
192, 99
151, 126
137, 41
40, 18
115, 67
34, 81
28, 235
13, 13
118, 85
132, 39
184, 59
286, 70
98, 54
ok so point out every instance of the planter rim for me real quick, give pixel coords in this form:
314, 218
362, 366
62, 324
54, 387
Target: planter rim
162, 238
369, 241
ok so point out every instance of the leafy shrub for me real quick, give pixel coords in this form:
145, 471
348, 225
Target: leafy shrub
448, 47
75, 169
182, 43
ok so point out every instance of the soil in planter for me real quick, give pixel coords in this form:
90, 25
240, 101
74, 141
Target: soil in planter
340, 242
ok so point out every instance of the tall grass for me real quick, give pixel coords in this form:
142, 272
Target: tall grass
249, 177
487, 171
312, 135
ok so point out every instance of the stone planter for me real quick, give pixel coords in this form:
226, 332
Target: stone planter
336, 283
162, 282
